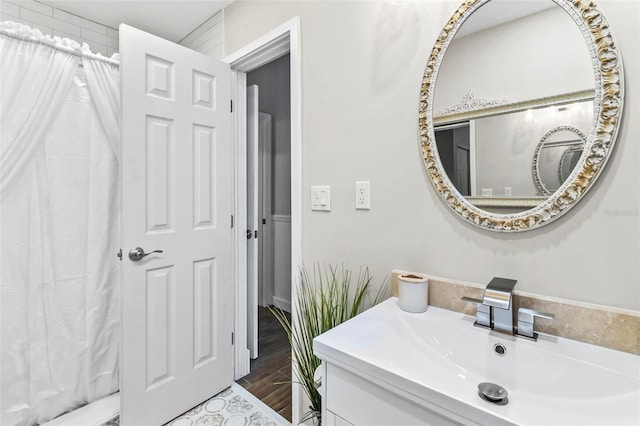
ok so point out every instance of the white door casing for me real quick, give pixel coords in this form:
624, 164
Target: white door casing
176, 197
252, 219
277, 42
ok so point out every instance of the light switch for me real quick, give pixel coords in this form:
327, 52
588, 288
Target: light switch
321, 198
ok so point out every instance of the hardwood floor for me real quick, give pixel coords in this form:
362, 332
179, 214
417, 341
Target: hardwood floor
270, 377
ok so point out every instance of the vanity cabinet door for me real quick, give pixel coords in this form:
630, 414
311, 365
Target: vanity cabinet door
352, 400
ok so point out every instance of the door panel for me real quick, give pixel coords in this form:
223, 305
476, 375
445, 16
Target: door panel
204, 303
204, 160
159, 145
176, 195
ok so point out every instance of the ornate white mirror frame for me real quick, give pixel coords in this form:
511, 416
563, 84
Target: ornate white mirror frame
608, 103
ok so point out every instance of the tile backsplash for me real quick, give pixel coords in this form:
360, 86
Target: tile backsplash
599, 325
55, 22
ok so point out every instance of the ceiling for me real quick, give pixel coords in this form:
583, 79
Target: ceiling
172, 20
175, 19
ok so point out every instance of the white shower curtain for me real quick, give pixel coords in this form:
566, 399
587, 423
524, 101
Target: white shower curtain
59, 226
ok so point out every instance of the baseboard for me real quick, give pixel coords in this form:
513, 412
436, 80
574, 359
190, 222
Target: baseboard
94, 414
281, 303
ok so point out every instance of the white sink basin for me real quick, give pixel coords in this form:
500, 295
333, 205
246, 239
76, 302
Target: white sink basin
439, 357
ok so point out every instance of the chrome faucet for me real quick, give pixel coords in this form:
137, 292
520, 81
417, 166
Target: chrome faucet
498, 295
495, 310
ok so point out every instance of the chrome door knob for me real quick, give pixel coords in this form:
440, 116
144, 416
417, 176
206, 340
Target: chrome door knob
135, 254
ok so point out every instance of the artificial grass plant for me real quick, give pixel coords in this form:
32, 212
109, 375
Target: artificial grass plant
326, 297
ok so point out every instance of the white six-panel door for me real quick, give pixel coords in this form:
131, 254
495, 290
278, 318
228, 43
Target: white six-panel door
176, 197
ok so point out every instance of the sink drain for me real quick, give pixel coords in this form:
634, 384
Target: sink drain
499, 349
493, 393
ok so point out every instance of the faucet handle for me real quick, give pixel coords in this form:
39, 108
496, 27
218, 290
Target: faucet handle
471, 299
526, 318
526, 314
483, 312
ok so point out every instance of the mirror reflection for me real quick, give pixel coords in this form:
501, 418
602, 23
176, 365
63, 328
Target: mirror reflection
556, 156
526, 70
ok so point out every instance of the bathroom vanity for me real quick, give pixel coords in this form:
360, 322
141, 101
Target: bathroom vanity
390, 367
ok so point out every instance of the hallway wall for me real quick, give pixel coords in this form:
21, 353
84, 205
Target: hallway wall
275, 98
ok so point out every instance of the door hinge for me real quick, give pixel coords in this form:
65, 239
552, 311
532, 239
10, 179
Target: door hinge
231, 221
231, 104
232, 339
255, 234
264, 221
119, 254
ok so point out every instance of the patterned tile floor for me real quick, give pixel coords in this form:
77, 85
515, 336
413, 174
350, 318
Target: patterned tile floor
231, 407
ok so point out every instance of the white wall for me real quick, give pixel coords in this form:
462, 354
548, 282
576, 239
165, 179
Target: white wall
56, 22
362, 67
539, 55
208, 37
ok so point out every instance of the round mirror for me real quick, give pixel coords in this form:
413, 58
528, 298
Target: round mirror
500, 76
555, 157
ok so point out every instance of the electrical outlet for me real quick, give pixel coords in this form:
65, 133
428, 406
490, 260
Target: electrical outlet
363, 195
507, 191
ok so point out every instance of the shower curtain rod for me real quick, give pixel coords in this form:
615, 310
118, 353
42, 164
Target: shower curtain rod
52, 42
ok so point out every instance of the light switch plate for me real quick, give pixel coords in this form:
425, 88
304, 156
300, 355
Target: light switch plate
321, 198
363, 195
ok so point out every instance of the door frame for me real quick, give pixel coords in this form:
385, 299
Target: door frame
273, 45
253, 211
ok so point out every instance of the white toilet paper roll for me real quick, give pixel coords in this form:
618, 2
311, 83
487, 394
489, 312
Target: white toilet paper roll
413, 293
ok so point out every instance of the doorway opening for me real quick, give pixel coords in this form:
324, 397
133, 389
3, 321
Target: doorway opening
269, 232
456, 146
